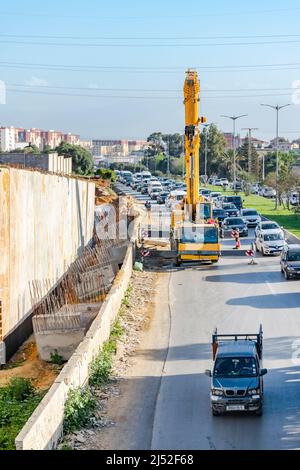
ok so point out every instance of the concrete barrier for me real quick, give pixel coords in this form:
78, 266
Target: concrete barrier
45, 426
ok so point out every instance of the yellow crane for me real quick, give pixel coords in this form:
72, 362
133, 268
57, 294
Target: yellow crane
194, 234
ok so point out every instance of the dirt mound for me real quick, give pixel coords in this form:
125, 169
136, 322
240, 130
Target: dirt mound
26, 363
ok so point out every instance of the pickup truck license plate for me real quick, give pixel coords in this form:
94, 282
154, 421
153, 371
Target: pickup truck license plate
235, 407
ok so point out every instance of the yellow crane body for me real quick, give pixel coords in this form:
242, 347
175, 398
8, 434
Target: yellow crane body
194, 234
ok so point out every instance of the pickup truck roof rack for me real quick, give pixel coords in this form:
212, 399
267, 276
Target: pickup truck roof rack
256, 338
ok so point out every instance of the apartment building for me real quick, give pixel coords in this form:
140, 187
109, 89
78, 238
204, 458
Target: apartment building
229, 140
16, 137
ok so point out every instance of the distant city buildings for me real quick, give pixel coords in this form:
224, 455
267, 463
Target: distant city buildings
230, 141
12, 138
257, 143
118, 151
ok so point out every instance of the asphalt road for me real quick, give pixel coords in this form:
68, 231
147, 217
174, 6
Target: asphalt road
165, 398
236, 298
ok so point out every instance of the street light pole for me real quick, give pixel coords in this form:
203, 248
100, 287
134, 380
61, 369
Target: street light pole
277, 108
234, 119
168, 159
205, 154
249, 129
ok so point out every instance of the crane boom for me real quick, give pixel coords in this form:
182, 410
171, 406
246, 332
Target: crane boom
193, 232
192, 139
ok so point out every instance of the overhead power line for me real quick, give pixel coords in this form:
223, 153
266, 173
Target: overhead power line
150, 69
160, 90
123, 45
147, 38
149, 16
16, 90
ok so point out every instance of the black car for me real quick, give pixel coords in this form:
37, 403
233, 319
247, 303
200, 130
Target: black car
219, 215
290, 261
236, 200
234, 223
230, 209
144, 189
161, 198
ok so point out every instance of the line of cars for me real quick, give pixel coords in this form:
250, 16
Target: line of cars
231, 215
157, 188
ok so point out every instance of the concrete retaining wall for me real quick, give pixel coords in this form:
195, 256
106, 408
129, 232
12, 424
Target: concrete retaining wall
45, 426
51, 162
45, 222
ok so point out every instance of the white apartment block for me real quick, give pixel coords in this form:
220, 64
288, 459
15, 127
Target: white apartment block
7, 139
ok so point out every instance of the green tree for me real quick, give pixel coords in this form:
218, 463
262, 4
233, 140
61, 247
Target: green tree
216, 146
47, 149
133, 167
31, 148
243, 152
82, 160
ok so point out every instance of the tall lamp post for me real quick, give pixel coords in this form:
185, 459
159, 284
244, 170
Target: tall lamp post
205, 153
234, 119
249, 129
277, 108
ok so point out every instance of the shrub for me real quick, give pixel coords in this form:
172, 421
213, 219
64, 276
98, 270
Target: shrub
20, 388
79, 409
56, 358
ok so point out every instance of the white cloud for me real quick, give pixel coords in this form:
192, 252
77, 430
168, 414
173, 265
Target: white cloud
36, 81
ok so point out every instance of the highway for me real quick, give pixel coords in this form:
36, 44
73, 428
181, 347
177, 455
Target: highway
165, 401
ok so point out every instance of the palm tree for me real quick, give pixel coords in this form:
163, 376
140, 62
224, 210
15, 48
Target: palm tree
226, 161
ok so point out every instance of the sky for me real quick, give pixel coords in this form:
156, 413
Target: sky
116, 69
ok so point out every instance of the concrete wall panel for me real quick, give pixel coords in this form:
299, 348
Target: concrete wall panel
45, 222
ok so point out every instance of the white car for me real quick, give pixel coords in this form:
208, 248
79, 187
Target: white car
266, 226
294, 198
155, 192
268, 192
224, 181
271, 242
175, 197
251, 216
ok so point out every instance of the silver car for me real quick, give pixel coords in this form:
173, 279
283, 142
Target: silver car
251, 216
266, 226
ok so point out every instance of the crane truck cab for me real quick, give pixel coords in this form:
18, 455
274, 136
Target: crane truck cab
237, 376
197, 243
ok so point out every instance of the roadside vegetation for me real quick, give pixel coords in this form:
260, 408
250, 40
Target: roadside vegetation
18, 400
81, 403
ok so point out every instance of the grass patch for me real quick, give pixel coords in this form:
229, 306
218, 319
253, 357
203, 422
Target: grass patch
56, 358
18, 400
101, 367
285, 218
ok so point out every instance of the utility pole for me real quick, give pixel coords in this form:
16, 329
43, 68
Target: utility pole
168, 160
234, 119
263, 167
250, 129
205, 155
182, 153
277, 108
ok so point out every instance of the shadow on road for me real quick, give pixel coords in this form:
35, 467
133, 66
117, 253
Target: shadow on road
247, 278
185, 352
283, 301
